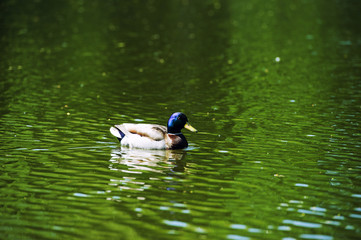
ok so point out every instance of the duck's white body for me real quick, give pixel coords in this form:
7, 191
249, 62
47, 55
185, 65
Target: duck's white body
146, 136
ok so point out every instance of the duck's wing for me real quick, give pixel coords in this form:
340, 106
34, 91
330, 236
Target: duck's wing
152, 131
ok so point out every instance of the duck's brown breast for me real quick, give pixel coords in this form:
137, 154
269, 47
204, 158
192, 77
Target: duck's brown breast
174, 141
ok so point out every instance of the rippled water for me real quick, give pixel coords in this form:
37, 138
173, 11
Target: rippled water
274, 89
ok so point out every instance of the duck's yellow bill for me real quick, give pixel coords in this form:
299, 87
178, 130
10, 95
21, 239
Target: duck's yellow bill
190, 128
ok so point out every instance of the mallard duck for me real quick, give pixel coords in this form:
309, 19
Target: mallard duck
153, 136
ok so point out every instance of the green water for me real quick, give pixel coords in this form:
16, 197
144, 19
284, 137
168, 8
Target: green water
274, 88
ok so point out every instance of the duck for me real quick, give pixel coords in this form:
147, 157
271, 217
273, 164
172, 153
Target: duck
154, 136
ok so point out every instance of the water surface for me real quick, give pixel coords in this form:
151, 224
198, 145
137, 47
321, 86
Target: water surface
273, 87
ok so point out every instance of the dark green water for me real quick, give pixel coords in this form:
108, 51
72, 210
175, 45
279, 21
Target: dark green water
274, 88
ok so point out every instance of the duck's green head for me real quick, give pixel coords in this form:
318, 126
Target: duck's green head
178, 121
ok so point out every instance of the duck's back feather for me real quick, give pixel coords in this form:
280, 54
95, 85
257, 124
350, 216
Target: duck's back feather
152, 131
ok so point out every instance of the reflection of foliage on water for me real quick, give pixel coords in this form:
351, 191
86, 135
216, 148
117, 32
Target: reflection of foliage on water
280, 89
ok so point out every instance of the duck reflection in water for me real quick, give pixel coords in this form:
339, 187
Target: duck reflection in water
139, 174
140, 160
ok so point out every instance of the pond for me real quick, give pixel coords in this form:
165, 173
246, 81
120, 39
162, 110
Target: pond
273, 88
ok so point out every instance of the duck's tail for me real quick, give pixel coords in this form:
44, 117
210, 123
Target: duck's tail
117, 133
